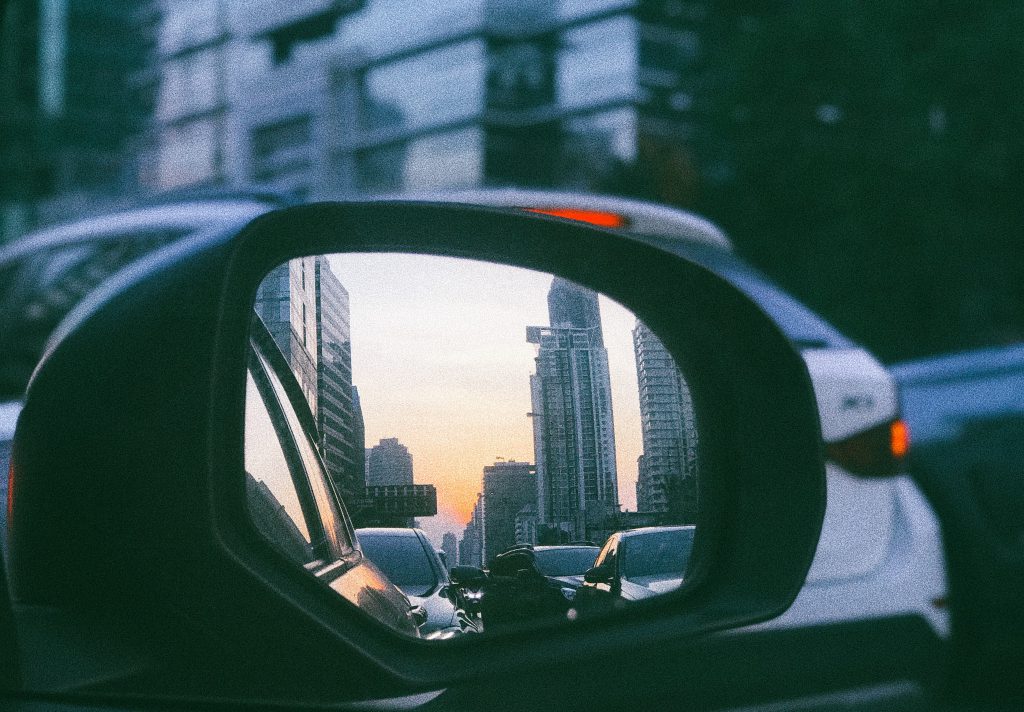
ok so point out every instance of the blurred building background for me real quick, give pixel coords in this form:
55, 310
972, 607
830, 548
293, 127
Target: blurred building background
869, 158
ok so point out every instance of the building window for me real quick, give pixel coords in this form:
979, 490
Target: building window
435, 87
420, 20
597, 63
447, 160
573, 9
281, 148
187, 23
443, 160
189, 153
190, 84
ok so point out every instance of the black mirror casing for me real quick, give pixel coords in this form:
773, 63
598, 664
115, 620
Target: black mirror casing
598, 574
129, 479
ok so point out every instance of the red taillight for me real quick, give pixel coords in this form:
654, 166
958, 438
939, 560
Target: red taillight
600, 218
876, 452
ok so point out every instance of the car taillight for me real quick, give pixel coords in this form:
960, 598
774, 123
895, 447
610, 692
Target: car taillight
876, 452
601, 218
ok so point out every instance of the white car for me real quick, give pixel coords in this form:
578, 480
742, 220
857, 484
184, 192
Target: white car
880, 552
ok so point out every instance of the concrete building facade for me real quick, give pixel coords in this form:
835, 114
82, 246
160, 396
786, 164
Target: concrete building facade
388, 463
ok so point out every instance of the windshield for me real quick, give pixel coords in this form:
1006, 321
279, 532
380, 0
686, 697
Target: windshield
402, 559
565, 562
664, 553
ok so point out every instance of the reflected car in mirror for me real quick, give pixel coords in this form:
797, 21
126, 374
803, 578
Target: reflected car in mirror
410, 562
636, 564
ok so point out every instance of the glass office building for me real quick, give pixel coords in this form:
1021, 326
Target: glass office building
332, 98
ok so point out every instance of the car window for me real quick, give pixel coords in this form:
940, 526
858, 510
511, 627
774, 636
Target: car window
402, 559
331, 519
656, 553
565, 562
275, 504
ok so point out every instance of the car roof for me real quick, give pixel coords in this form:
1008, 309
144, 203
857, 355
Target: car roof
550, 547
641, 531
192, 215
960, 365
643, 217
389, 531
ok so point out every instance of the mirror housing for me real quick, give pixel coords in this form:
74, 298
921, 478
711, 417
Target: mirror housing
132, 478
599, 574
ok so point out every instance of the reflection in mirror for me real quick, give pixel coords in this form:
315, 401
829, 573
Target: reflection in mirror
510, 447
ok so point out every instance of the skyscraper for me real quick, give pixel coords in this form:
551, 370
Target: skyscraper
667, 481
389, 463
508, 488
450, 547
336, 418
359, 449
471, 546
286, 302
574, 441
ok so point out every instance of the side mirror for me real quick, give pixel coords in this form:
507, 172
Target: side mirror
169, 530
468, 576
599, 574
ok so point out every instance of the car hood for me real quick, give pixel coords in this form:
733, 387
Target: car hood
569, 581
641, 587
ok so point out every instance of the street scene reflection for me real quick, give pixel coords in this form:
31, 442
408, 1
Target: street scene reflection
510, 447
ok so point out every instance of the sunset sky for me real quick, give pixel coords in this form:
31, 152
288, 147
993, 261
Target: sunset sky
440, 358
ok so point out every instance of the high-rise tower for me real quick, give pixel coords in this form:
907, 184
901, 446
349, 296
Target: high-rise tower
574, 441
667, 481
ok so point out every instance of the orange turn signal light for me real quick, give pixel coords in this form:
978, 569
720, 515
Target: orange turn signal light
899, 439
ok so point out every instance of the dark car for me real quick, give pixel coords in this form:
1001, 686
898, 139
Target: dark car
966, 417
407, 558
565, 564
637, 564
526, 583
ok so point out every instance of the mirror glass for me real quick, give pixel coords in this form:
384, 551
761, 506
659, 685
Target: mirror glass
459, 447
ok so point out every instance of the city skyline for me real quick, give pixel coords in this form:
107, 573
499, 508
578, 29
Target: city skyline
462, 404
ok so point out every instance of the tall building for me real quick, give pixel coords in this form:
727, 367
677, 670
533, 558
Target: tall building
360, 450
78, 86
336, 417
389, 463
286, 301
667, 481
471, 546
332, 98
450, 547
574, 441
509, 487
